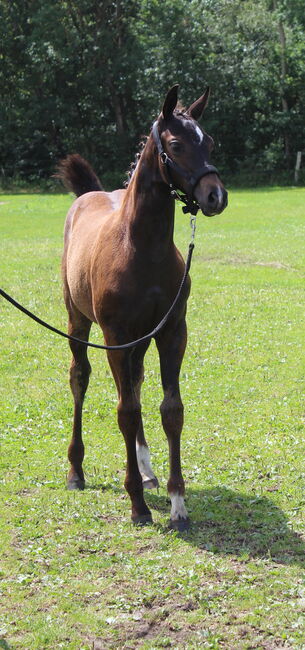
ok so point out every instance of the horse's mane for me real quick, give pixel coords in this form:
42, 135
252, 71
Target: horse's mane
133, 165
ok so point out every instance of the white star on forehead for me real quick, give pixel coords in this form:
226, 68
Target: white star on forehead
196, 128
199, 133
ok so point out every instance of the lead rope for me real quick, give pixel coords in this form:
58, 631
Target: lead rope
124, 346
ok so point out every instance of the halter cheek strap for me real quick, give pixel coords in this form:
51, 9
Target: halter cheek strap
188, 199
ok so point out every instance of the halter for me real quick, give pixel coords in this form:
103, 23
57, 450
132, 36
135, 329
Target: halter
191, 205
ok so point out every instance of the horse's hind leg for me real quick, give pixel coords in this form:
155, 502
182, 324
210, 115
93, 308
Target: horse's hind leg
149, 479
171, 346
127, 371
79, 326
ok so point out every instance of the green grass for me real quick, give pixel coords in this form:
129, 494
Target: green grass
74, 572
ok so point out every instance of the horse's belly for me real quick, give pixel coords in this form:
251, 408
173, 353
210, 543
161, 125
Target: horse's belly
81, 296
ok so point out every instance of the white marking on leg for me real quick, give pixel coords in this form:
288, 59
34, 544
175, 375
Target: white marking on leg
144, 465
178, 510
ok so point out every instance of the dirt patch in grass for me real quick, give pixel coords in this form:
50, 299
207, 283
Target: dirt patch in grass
168, 630
247, 261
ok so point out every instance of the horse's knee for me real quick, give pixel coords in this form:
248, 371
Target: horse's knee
172, 411
133, 484
129, 418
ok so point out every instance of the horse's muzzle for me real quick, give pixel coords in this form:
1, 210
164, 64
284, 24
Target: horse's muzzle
211, 195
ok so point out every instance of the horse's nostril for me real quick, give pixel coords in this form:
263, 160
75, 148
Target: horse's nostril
213, 198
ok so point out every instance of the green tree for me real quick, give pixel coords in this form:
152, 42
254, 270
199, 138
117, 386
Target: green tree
90, 76
71, 86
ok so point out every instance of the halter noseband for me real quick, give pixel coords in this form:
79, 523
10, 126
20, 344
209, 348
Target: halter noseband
191, 204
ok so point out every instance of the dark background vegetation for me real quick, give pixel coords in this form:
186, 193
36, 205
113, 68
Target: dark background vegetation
90, 76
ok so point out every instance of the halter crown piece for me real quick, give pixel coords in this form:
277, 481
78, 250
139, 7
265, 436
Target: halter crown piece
190, 202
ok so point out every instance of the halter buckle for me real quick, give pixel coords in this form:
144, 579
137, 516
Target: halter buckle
193, 227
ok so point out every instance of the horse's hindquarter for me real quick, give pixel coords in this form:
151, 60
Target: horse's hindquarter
89, 214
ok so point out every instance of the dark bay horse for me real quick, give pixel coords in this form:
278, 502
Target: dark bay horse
122, 270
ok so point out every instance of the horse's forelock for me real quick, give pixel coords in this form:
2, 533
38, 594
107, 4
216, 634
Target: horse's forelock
180, 109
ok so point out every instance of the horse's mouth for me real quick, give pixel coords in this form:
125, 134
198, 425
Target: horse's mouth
213, 201
212, 213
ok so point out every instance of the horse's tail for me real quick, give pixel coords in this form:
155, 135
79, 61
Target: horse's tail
77, 175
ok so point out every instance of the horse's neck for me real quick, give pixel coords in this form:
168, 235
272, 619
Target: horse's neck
150, 209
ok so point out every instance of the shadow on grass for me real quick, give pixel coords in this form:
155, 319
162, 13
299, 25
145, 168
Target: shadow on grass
103, 487
233, 523
4, 645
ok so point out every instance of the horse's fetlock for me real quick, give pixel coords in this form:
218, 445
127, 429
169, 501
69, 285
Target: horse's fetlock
176, 486
76, 453
134, 487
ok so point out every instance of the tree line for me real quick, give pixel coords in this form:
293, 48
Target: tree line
89, 76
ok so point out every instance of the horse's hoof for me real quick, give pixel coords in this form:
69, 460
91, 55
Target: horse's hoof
142, 520
151, 483
180, 524
76, 484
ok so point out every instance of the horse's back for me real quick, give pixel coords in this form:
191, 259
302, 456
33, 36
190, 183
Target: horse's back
92, 208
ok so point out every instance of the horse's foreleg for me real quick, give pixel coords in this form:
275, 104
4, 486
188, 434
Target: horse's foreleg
79, 378
171, 347
126, 373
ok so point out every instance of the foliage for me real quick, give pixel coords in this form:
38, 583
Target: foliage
74, 572
90, 77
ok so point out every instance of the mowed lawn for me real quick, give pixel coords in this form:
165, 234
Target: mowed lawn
74, 572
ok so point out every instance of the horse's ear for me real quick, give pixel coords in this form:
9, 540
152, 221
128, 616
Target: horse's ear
196, 109
170, 102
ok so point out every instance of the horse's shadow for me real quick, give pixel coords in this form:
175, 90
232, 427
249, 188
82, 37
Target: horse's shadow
233, 523
4, 644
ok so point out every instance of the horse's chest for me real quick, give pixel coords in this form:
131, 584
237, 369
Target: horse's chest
134, 303
148, 307
154, 298
152, 307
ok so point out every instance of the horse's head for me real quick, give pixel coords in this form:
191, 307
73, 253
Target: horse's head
184, 151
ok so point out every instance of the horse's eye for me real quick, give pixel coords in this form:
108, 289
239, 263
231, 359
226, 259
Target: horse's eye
176, 146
